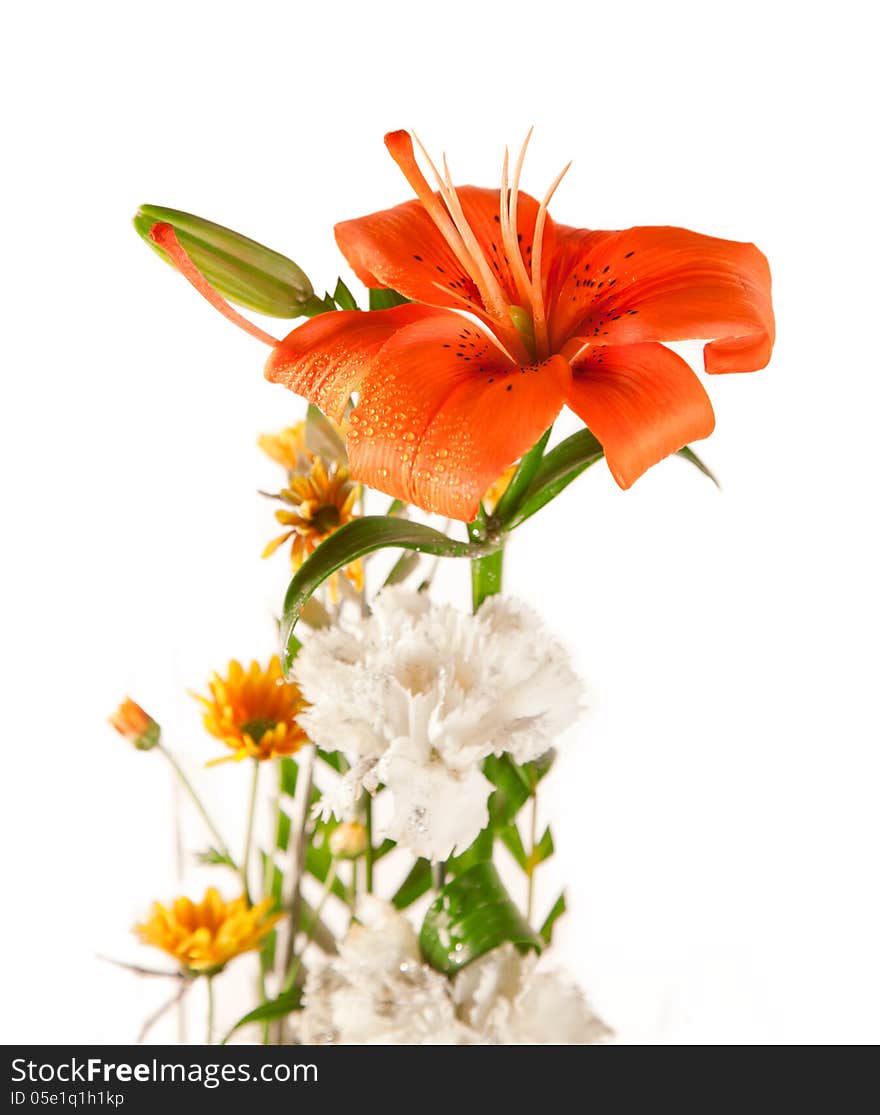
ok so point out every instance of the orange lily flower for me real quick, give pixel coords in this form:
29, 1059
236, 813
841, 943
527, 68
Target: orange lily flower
513, 316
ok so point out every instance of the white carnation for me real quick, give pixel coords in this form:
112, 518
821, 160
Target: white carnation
416, 697
511, 999
378, 992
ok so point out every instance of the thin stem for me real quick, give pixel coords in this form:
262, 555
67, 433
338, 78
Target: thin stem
353, 890
297, 859
209, 1036
178, 871
533, 839
290, 979
268, 879
369, 850
439, 875
151, 1021
222, 847
249, 830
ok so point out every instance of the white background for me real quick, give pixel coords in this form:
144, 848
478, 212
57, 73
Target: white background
716, 813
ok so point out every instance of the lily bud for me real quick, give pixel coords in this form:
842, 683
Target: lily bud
242, 270
348, 840
137, 726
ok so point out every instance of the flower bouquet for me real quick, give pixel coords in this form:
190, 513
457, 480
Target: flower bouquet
406, 740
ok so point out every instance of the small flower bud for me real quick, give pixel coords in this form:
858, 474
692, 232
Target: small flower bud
348, 840
242, 270
137, 726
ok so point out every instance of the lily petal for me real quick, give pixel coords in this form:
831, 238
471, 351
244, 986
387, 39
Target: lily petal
642, 402
443, 412
662, 284
403, 249
324, 359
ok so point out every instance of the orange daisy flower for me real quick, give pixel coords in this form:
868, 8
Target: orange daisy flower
254, 712
513, 316
204, 936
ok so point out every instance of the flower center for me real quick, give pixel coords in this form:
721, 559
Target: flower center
258, 727
521, 326
326, 519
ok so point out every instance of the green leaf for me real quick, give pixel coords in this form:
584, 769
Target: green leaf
355, 540
689, 455
556, 913
385, 299
384, 848
537, 768
407, 563
543, 850
478, 852
556, 471
289, 774
471, 916
414, 885
512, 789
244, 271
286, 1003
282, 834
522, 479
317, 306
343, 297
560, 467
510, 837
214, 858
319, 860
334, 759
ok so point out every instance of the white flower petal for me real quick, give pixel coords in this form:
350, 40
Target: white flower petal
418, 694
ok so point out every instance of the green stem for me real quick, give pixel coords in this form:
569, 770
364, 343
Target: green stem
293, 971
522, 478
533, 840
188, 786
486, 571
249, 831
296, 849
370, 850
209, 1038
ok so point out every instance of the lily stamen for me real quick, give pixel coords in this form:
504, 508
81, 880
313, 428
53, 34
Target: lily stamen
538, 311
477, 267
520, 273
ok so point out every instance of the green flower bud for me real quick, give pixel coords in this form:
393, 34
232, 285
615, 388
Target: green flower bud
242, 270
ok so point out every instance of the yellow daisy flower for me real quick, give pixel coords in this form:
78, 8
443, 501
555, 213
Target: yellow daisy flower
318, 502
203, 937
287, 447
254, 712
